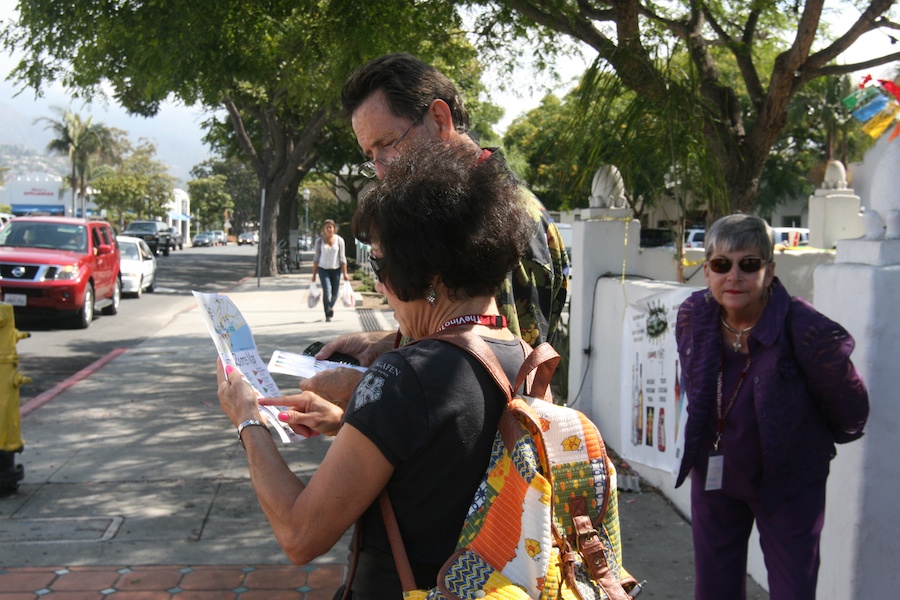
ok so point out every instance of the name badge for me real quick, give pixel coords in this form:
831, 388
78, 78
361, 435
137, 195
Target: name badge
714, 471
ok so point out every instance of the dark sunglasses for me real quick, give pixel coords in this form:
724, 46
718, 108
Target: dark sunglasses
375, 263
749, 264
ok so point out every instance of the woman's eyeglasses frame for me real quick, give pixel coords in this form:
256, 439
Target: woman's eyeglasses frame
748, 264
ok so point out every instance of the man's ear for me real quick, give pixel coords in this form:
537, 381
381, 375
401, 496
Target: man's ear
439, 111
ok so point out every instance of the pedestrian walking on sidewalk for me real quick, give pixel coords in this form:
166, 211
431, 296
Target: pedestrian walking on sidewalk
770, 390
421, 424
330, 261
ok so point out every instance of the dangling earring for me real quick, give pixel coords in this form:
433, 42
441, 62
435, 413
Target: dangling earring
431, 296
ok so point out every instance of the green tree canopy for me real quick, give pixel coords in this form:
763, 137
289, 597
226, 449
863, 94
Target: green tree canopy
239, 185
726, 44
139, 187
210, 199
276, 67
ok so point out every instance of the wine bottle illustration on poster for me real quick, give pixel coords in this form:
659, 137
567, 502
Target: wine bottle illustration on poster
661, 433
639, 417
635, 414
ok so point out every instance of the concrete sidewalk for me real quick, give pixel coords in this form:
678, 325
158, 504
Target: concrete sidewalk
135, 483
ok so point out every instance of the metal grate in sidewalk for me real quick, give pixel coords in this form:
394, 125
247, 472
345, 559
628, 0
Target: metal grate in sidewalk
368, 320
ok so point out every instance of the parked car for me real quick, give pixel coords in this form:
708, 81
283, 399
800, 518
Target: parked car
657, 238
176, 240
791, 236
248, 237
137, 264
204, 238
155, 233
60, 266
221, 238
693, 238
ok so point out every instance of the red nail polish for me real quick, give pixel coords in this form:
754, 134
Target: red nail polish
229, 369
283, 416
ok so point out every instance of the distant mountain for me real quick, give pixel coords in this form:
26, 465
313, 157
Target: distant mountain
23, 143
18, 160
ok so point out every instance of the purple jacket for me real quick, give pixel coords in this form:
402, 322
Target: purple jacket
806, 392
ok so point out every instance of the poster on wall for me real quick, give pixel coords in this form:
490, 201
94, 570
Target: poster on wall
654, 418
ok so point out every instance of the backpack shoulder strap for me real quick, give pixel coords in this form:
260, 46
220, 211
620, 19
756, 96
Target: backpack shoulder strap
540, 362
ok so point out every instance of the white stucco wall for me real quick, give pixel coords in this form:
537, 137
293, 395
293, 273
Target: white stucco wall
861, 525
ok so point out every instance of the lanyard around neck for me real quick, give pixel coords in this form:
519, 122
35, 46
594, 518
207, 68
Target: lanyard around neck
720, 413
488, 320
497, 321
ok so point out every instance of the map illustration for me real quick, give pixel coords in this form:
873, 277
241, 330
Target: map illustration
234, 342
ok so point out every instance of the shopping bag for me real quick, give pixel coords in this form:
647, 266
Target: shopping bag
346, 293
313, 295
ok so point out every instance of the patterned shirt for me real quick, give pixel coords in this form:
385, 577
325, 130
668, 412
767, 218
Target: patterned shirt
534, 293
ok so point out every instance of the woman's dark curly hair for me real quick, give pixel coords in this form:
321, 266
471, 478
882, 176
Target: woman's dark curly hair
444, 211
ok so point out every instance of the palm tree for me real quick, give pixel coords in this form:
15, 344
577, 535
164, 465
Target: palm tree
81, 141
98, 143
65, 142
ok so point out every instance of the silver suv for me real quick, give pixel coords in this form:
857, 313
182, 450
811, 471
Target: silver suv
693, 238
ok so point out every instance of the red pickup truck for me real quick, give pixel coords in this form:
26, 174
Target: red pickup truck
60, 266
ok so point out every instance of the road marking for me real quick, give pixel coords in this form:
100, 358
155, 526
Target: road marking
39, 401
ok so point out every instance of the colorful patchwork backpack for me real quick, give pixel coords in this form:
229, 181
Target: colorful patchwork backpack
544, 522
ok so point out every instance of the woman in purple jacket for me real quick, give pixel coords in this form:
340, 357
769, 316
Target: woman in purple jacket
770, 389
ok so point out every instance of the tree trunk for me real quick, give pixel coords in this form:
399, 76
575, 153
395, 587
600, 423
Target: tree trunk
286, 158
268, 239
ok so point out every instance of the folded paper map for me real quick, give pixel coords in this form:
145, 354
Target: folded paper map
233, 339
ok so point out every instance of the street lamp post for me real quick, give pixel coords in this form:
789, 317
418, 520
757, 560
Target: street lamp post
306, 233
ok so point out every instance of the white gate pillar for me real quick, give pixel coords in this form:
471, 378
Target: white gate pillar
861, 290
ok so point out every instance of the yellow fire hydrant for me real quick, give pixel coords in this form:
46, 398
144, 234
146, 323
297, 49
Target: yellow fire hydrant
10, 418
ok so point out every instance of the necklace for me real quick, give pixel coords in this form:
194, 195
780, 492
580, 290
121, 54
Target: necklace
737, 335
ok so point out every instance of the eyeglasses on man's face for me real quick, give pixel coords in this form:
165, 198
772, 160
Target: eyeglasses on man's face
385, 156
748, 264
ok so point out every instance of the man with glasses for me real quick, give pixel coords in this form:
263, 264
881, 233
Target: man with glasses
396, 102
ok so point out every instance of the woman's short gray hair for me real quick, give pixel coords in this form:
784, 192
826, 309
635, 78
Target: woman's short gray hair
740, 232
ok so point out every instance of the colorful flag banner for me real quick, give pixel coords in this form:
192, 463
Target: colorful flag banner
880, 122
872, 108
895, 133
860, 97
891, 87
